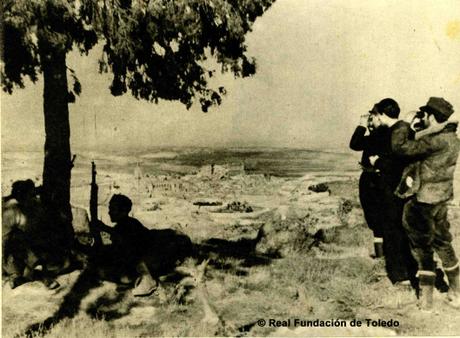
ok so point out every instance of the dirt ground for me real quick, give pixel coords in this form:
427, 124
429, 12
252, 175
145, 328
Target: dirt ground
311, 266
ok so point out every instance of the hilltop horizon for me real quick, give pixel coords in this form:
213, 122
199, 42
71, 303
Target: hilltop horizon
141, 149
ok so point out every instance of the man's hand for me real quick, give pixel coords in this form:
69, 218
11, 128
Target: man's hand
373, 159
433, 128
363, 119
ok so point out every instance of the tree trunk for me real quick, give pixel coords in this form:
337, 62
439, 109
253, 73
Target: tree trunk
57, 164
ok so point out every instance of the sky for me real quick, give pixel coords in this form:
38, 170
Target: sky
321, 64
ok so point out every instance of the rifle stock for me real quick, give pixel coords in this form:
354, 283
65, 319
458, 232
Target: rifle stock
93, 207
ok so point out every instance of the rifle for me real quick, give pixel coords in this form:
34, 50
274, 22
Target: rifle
93, 208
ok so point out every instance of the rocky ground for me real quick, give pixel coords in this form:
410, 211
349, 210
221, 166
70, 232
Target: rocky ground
274, 251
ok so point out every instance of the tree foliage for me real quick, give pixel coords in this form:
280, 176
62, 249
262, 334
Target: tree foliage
155, 49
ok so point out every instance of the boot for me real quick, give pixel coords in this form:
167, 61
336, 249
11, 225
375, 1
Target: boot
51, 283
16, 281
47, 279
453, 295
415, 283
426, 279
440, 284
378, 247
145, 285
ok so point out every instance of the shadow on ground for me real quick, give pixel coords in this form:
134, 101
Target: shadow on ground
110, 306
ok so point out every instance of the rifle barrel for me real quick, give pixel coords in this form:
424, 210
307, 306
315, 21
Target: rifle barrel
93, 207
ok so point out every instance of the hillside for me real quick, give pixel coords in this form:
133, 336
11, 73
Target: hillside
312, 264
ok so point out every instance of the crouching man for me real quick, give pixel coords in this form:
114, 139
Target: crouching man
425, 214
123, 261
27, 240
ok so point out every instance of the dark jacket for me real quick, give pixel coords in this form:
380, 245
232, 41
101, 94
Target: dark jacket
130, 237
372, 144
438, 155
390, 164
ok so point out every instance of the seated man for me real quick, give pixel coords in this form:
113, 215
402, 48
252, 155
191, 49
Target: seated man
22, 221
123, 260
18, 260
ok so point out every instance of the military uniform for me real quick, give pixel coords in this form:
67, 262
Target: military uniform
425, 215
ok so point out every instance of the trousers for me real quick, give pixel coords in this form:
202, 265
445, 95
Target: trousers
428, 230
370, 194
399, 261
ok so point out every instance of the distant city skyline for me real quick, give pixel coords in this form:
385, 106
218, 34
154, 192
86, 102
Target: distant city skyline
321, 64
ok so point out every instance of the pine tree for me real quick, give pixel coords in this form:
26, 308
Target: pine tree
155, 49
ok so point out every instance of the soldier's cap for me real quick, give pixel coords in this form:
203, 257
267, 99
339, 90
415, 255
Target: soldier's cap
20, 189
438, 107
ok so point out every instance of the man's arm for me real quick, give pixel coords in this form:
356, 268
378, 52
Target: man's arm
399, 136
101, 226
432, 129
414, 148
358, 140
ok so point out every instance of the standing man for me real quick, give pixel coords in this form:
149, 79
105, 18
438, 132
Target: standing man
425, 215
399, 262
370, 180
